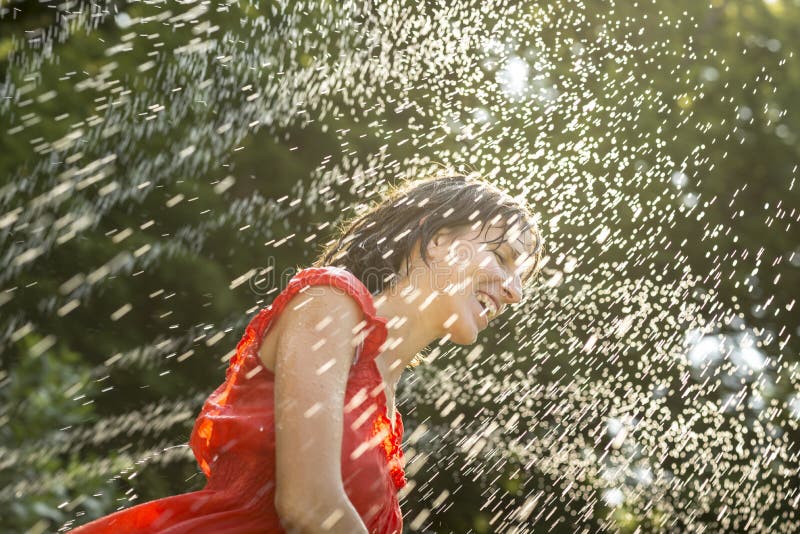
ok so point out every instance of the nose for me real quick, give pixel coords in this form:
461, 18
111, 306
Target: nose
512, 289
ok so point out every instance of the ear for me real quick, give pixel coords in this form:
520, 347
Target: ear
439, 244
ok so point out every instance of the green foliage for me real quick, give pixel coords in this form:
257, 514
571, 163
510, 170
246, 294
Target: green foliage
181, 284
40, 403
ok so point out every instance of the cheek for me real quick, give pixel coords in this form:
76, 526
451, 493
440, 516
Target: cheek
459, 304
462, 255
487, 275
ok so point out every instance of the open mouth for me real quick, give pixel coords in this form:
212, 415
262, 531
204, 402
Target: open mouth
487, 304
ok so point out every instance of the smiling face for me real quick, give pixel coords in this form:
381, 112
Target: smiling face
475, 274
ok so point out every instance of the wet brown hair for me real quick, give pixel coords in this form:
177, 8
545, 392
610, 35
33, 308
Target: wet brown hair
373, 245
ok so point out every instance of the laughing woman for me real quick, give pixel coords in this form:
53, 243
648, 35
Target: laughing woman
303, 434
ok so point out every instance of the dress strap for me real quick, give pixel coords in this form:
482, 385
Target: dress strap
373, 328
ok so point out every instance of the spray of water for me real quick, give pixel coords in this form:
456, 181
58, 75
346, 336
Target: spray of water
628, 390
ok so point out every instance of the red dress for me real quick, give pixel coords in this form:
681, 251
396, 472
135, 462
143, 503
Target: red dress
234, 442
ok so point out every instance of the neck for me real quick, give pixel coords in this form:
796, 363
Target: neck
410, 329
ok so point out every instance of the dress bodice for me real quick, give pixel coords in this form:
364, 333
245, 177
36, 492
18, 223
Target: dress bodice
237, 420
234, 439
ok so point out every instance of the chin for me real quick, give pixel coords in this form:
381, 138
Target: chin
464, 334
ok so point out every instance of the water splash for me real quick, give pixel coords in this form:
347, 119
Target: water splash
606, 413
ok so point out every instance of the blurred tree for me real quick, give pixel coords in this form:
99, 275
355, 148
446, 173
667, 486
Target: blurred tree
144, 296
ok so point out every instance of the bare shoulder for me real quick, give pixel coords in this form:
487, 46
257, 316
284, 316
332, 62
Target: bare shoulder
313, 357
318, 315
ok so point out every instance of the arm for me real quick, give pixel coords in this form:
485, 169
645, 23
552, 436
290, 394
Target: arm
314, 352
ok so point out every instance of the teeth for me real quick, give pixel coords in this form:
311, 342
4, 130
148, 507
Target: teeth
488, 303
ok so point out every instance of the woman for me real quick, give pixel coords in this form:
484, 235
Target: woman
303, 435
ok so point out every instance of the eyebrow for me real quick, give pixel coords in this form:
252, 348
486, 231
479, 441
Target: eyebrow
527, 255
517, 253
